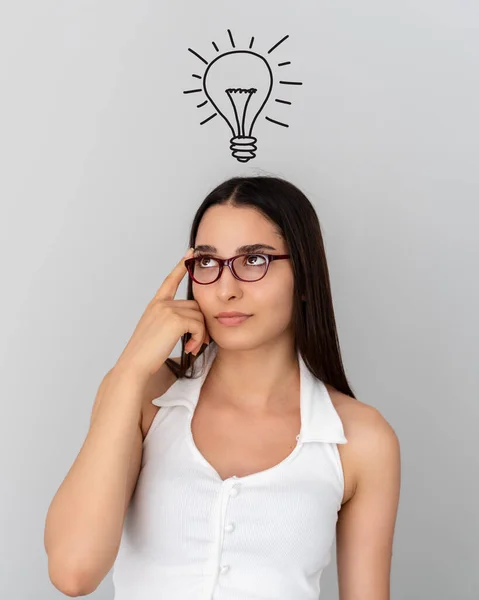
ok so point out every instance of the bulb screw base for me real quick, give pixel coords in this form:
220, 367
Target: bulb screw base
243, 148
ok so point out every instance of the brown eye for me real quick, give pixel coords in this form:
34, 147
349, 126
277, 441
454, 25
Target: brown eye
202, 262
255, 260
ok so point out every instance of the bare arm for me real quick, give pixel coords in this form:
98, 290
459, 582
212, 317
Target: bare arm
85, 519
366, 523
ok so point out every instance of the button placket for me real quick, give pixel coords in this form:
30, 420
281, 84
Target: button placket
230, 490
229, 527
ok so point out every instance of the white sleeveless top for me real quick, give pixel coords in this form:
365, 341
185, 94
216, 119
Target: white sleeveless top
189, 535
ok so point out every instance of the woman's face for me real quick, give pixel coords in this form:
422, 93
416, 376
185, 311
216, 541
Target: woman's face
269, 300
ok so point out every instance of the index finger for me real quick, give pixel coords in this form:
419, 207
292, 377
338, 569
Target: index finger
169, 287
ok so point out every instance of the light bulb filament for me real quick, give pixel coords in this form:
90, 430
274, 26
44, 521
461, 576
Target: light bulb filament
237, 108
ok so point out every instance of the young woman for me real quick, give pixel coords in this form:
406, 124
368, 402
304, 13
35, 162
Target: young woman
227, 473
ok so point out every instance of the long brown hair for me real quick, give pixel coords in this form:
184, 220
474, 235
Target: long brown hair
296, 221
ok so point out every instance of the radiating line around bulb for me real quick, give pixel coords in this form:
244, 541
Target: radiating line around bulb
276, 122
198, 56
208, 119
277, 44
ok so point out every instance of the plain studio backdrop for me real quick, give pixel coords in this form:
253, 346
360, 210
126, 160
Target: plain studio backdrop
104, 161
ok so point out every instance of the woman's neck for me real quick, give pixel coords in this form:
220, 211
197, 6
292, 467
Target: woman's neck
261, 379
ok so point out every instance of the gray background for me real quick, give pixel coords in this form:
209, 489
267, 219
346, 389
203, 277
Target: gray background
103, 163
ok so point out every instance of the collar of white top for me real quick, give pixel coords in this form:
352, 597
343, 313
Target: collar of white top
320, 421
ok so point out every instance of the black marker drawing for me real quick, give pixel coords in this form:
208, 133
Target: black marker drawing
238, 84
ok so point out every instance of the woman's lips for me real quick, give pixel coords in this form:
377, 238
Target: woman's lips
232, 320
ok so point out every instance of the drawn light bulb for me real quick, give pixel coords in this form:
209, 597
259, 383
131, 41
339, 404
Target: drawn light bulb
238, 84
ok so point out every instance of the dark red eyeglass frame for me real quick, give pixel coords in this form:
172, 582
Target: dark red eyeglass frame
229, 263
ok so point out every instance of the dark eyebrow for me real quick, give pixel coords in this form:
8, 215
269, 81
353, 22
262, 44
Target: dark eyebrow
247, 249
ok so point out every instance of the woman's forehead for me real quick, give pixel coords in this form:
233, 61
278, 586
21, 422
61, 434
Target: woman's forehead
229, 227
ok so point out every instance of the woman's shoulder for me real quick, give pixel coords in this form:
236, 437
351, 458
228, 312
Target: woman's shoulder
359, 418
368, 432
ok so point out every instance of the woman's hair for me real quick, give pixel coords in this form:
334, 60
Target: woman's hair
296, 221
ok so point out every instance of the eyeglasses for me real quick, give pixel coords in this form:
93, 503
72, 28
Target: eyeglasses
206, 269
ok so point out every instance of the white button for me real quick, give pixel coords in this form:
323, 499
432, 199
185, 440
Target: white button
234, 491
230, 527
224, 569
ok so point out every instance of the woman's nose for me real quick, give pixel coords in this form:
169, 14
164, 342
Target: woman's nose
228, 283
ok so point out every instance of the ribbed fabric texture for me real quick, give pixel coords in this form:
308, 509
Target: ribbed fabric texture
189, 535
